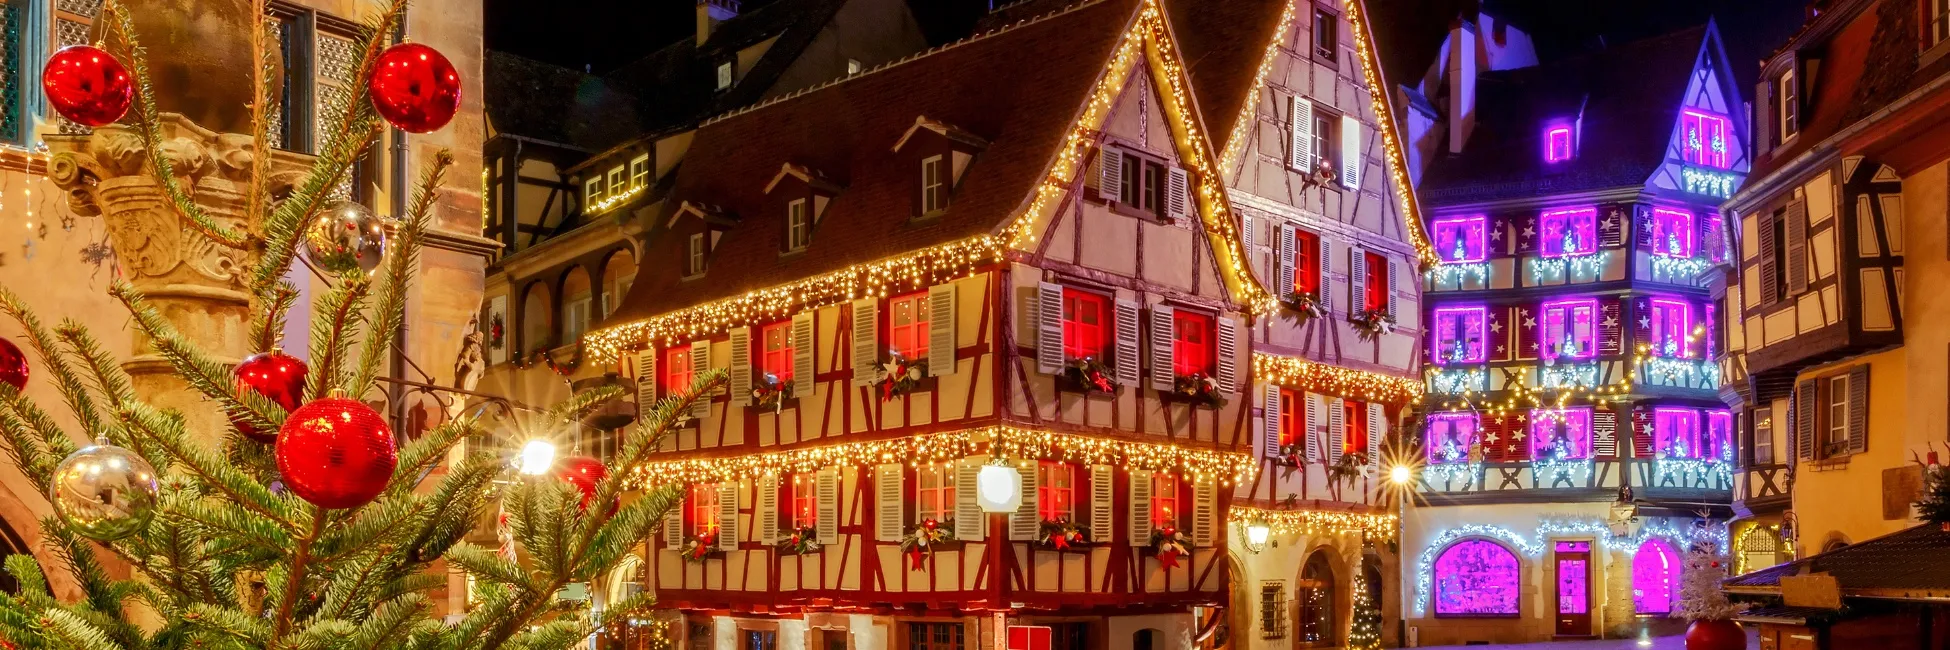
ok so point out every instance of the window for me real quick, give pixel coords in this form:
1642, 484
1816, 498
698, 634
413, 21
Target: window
1293, 419
1450, 436
1327, 140
1675, 431
907, 325
934, 185
1462, 240
805, 500
775, 357
1476, 577
935, 636
1306, 262
704, 510
1761, 548
677, 370
798, 227
1069, 636
1719, 435
1655, 577
694, 262
1570, 329
1560, 434
1674, 233
1354, 436
1164, 500
853, 66
575, 316
1192, 349
619, 180
701, 636
1557, 144
760, 639
1834, 434
1315, 593
640, 172
724, 75
1144, 185
1375, 284
1704, 138
1056, 490
1086, 324
592, 193
1763, 447
1939, 21
1272, 610
1572, 231
1459, 335
1790, 98
1672, 325
934, 494
1327, 34
15, 120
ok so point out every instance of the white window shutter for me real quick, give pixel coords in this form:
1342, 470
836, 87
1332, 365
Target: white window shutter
866, 340
827, 492
1394, 287
646, 383
741, 366
1351, 155
1049, 328
674, 526
1249, 240
1093, 175
889, 503
802, 355
1229, 357
766, 504
1316, 407
728, 516
1140, 484
1163, 333
1326, 278
1205, 511
941, 330
1336, 429
1178, 192
1377, 429
700, 366
1110, 173
1357, 280
1300, 149
1270, 425
1025, 522
970, 522
1126, 364
1285, 245
1103, 511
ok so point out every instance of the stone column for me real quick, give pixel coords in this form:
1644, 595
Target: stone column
195, 283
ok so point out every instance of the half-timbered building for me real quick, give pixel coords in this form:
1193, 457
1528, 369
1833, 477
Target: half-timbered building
1000, 276
1573, 427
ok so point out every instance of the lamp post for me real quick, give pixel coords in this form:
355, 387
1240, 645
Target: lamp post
998, 490
1257, 534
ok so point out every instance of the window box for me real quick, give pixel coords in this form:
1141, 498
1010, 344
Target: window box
902, 376
1196, 389
770, 392
1090, 377
803, 540
1370, 324
1063, 536
699, 548
1302, 307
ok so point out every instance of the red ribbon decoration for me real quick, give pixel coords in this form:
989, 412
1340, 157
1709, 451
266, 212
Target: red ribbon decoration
914, 560
1168, 559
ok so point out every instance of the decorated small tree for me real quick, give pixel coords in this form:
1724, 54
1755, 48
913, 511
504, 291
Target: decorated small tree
1702, 602
1934, 507
1366, 631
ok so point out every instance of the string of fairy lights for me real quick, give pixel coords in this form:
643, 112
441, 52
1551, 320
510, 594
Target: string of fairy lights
1373, 525
1293, 372
1568, 383
1391, 141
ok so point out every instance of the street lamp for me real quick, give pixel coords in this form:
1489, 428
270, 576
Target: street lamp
536, 457
1257, 533
1401, 475
998, 488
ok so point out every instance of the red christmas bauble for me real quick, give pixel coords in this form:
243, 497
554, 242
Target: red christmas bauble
415, 88
13, 366
336, 453
277, 376
584, 473
1715, 635
87, 85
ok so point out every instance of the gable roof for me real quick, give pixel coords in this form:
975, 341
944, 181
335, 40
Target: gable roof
542, 101
1628, 98
1904, 564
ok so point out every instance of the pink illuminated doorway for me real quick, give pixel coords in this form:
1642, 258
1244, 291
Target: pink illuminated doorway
1572, 601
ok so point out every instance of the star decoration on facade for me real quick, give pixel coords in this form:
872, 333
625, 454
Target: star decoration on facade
1490, 437
1645, 322
1496, 234
1528, 232
1499, 349
1529, 323
1516, 435
1610, 222
1496, 326
1611, 321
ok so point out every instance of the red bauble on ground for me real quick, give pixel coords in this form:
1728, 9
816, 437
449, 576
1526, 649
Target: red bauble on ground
87, 85
13, 366
1715, 635
336, 453
277, 376
415, 88
584, 473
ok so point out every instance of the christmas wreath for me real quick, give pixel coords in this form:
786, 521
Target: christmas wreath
769, 392
1198, 388
1090, 375
1169, 543
901, 376
1370, 324
700, 546
1302, 306
497, 332
1061, 534
803, 540
920, 541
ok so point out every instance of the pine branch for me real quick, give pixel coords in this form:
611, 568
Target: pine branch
458, 504
228, 622
71, 388
390, 623
166, 430
421, 454
220, 519
271, 311
69, 628
300, 559
390, 308
23, 442
212, 379
485, 564
263, 100
328, 634
332, 332
556, 634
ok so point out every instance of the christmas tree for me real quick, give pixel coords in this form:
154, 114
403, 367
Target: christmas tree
1934, 507
306, 527
1700, 597
1366, 631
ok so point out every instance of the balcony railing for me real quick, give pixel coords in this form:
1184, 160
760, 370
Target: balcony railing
1547, 479
1764, 486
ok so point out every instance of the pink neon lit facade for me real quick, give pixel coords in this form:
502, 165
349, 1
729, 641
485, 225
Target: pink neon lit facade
1568, 231
1477, 577
1557, 144
1570, 329
1458, 336
1703, 138
1573, 577
1567, 429
1675, 233
1450, 436
1675, 432
1461, 240
1672, 321
1719, 434
1655, 577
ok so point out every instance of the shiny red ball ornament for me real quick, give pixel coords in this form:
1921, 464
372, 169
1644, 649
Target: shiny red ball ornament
13, 366
87, 85
336, 453
584, 473
277, 376
1715, 635
415, 88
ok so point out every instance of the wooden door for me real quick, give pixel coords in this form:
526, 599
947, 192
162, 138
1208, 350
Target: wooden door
1572, 601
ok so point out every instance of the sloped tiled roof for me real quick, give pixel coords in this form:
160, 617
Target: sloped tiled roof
1629, 96
1223, 44
538, 100
1019, 89
1911, 560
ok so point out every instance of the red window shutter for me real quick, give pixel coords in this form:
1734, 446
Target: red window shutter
1306, 261
1529, 322
1641, 318
1611, 337
1642, 446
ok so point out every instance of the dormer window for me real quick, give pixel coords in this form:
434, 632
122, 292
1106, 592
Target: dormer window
934, 185
853, 66
592, 192
1675, 233
798, 226
724, 75
640, 171
1462, 240
1557, 144
1789, 96
1703, 138
694, 261
1568, 232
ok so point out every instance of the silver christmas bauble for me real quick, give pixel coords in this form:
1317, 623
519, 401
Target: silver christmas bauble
104, 492
346, 236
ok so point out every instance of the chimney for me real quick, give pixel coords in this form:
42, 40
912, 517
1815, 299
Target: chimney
710, 13
1462, 84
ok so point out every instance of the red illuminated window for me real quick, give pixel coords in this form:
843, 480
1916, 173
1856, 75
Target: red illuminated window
1306, 262
805, 500
704, 510
1376, 283
677, 370
776, 355
1192, 351
1293, 417
934, 494
1086, 324
907, 325
1354, 435
1056, 490
1164, 500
